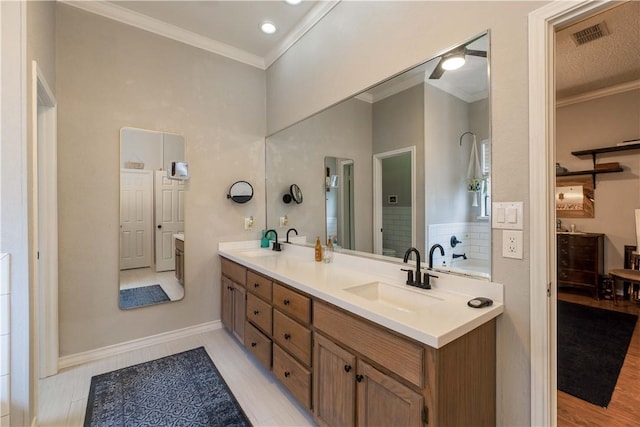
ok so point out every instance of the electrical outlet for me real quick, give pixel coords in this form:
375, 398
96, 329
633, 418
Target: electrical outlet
512, 244
284, 221
248, 223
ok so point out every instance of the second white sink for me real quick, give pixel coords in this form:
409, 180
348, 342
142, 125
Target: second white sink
392, 296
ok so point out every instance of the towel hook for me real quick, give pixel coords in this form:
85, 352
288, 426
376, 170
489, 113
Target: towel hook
461, 136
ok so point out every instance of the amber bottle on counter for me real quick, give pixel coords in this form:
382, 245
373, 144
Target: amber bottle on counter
318, 250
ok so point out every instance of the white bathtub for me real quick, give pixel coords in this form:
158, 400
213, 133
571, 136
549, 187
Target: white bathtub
468, 267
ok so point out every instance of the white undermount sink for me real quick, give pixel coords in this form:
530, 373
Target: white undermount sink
257, 253
392, 296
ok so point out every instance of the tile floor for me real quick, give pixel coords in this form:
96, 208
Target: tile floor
63, 397
138, 277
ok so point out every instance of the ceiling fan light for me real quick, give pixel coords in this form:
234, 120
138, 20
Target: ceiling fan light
453, 62
268, 27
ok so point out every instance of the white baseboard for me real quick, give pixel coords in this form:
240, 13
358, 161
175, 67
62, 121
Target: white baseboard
112, 350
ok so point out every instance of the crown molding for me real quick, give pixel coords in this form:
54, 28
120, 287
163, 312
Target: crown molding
138, 20
600, 93
310, 19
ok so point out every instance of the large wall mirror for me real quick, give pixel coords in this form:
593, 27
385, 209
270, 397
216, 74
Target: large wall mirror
417, 151
151, 218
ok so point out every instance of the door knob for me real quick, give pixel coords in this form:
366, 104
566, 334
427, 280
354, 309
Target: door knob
159, 226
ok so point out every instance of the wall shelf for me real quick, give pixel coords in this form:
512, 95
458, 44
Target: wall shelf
594, 154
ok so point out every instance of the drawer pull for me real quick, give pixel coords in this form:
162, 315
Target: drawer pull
287, 336
359, 378
255, 312
255, 285
253, 344
286, 302
347, 368
287, 374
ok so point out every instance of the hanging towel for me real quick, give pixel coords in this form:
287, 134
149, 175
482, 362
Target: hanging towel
474, 172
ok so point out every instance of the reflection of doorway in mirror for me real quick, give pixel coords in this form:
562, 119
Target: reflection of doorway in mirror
169, 213
136, 220
339, 202
394, 207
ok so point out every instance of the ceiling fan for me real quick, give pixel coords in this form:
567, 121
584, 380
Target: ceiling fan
454, 59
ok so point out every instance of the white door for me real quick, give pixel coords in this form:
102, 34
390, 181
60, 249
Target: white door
169, 212
136, 219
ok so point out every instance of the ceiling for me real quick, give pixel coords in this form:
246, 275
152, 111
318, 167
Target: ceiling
611, 60
231, 28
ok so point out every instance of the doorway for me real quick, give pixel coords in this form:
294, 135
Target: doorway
45, 221
394, 196
543, 24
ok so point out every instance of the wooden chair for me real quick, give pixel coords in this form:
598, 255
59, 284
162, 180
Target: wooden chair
629, 274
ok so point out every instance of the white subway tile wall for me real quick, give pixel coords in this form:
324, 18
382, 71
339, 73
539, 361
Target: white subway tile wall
396, 223
475, 238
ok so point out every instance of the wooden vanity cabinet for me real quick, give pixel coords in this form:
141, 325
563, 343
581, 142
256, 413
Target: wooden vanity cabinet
179, 259
350, 371
233, 297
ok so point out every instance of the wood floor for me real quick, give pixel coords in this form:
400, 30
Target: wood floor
63, 397
624, 409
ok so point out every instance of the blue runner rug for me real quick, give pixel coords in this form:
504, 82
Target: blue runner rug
144, 295
184, 389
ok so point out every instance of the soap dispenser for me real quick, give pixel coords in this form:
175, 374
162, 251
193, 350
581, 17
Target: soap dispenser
318, 250
264, 241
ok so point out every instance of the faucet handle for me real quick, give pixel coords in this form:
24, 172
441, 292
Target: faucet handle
409, 275
427, 284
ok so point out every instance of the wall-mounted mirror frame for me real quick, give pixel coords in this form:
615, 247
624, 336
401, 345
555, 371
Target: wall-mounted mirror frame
151, 231
408, 110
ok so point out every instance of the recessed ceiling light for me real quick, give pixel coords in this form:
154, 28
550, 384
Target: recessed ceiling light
293, 2
453, 62
268, 27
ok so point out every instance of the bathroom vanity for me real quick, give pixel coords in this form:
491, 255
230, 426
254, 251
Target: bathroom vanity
179, 257
355, 346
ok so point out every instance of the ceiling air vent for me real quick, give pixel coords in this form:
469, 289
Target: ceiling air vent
590, 34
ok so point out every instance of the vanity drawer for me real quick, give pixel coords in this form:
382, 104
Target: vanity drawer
234, 271
404, 358
258, 344
293, 375
292, 303
292, 336
179, 244
259, 312
259, 285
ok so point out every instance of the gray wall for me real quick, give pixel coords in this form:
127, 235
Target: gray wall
398, 122
379, 39
598, 123
111, 75
296, 155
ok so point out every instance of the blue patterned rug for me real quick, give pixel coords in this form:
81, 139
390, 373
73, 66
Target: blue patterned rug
144, 295
184, 389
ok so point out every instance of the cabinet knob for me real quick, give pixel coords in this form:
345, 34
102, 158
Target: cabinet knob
286, 302
255, 285
287, 336
253, 344
255, 312
347, 368
287, 374
359, 378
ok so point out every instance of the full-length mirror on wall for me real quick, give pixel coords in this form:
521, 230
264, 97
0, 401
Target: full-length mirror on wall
151, 218
417, 149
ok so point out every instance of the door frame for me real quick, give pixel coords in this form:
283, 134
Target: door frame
44, 115
542, 277
377, 194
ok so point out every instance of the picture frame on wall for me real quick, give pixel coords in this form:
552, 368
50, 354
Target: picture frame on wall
575, 198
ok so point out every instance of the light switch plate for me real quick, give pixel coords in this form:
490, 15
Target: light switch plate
512, 244
507, 215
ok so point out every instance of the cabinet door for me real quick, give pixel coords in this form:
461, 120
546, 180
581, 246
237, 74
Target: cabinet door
239, 303
226, 308
383, 401
334, 384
